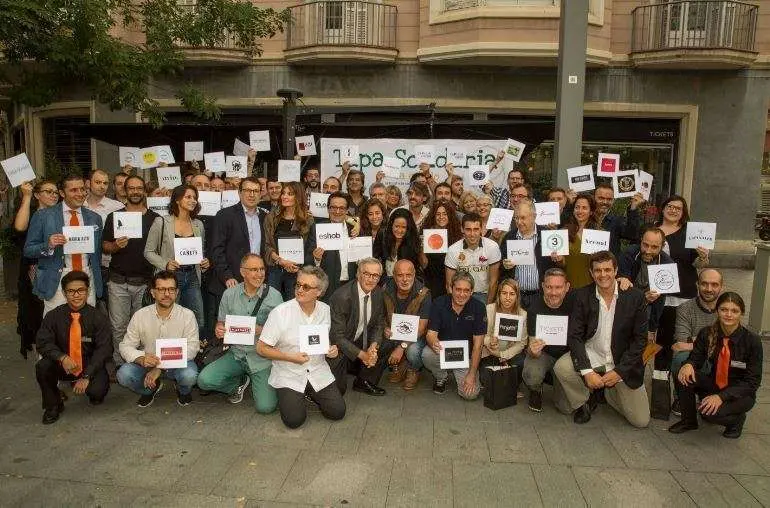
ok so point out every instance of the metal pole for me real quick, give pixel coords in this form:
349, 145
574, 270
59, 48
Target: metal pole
570, 92
289, 96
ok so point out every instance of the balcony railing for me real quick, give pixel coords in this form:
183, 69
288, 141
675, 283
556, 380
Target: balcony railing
694, 24
342, 23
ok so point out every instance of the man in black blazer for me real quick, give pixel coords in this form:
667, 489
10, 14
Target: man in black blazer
358, 325
235, 231
606, 336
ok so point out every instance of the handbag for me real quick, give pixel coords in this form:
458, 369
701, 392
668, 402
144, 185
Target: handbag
502, 383
660, 396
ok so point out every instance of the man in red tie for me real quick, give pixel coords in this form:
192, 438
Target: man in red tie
729, 391
75, 341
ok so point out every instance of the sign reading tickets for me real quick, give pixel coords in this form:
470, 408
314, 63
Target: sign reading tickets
292, 249
434, 241
509, 327
314, 339
318, 203
127, 224
454, 354
159, 204
330, 236
240, 329
521, 252
18, 169
594, 240
172, 353
188, 251
404, 328
552, 329
664, 279
700, 234
556, 240
80, 239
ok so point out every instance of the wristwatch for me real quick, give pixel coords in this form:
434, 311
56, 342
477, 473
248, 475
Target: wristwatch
404, 345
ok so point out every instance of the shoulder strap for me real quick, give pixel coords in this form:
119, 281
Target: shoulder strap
258, 305
162, 233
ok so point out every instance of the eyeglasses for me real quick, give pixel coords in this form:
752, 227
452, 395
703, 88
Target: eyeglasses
135, 189
369, 275
520, 196
78, 291
49, 191
255, 270
338, 208
250, 191
165, 290
674, 208
304, 287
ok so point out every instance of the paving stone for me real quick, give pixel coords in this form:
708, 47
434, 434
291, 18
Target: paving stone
511, 442
557, 486
758, 420
420, 482
641, 448
269, 430
758, 486
32, 492
578, 446
707, 451
459, 439
257, 474
714, 489
630, 488
486, 484
344, 436
397, 437
204, 475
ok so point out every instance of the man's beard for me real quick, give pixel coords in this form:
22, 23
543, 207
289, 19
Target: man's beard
134, 201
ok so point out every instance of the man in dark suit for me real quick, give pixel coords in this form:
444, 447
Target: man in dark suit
606, 337
74, 342
235, 231
358, 324
334, 263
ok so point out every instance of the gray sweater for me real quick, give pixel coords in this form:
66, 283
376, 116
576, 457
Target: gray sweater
159, 251
691, 318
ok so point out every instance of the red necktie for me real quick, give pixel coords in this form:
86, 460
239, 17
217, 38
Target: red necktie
77, 259
723, 364
76, 334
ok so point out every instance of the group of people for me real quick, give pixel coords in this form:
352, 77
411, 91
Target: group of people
95, 318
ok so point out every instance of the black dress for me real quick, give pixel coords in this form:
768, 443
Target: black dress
29, 314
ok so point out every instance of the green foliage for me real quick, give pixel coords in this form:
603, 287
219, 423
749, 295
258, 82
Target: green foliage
50, 45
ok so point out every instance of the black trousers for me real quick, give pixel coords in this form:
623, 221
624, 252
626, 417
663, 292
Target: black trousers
665, 338
50, 372
341, 365
729, 413
293, 409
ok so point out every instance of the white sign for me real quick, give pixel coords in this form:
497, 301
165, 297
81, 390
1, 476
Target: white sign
521, 252
476, 176
664, 279
581, 178
314, 339
169, 177
547, 212
148, 157
80, 239
165, 155
159, 204
624, 184
434, 241
240, 329
230, 198
349, 153
240, 148
236, 166
305, 146
289, 170
644, 184
130, 156
128, 224
292, 249
608, 164
509, 327
454, 354
18, 169
193, 150
260, 140
455, 157
701, 234
500, 218
425, 154
391, 166
211, 202
594, 240
330, 236
514, 149
555, 240
214, 161
318, 203
359, 248
404, 328
552, 329
172, 353
188, 251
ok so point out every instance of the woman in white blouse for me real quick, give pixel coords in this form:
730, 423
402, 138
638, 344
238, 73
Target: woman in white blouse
501, 352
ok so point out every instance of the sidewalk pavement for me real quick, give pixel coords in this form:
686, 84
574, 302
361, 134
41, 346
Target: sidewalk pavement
403, 449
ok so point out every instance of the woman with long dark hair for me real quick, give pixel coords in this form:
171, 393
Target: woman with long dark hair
442, 215
729, 390
400, 240
577, 265
290, 219
181, 222
372, 221
29, 313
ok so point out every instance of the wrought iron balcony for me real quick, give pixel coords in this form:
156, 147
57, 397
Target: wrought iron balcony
694, 33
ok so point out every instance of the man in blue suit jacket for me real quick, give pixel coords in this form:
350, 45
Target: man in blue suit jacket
45, 243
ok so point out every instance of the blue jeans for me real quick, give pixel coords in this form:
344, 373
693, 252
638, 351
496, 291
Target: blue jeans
131, 375
676, 363
414, 354
282, 281
188, 295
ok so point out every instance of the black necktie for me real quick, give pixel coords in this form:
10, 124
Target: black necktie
366, 318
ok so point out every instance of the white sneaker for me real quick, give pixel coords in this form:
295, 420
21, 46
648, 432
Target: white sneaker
237, 396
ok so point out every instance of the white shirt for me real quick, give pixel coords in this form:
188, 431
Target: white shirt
105, 207
281, 330
361, 324
344, 275
67, 217
474, 261
146, 326
599, 347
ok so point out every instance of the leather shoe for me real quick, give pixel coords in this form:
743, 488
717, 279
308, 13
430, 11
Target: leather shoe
735, 430
51, 415
682, 426
581, 415
367, 388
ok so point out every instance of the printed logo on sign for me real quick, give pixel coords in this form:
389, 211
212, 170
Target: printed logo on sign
454, 354
171, 353
188, 252
553, 330
314, 340
236, 165
479, 175
327, 236
240, 329
509, 327
554, 242
149, 157
598, 243
404, 327
129, 158
626, 184
435, 241
700, 235
305, 146
513, 150
581, 178
664, 280
519, 252
78, 238
608, 165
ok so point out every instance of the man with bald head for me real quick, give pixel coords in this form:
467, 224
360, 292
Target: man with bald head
691, 317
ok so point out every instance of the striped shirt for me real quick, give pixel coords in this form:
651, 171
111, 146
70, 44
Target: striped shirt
527, 275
